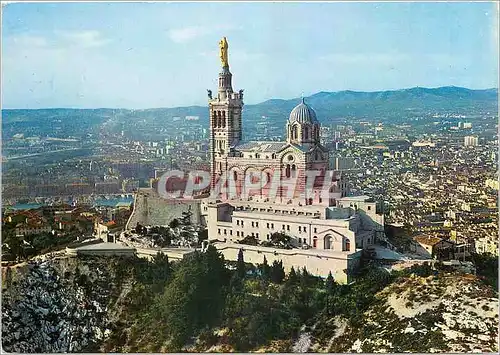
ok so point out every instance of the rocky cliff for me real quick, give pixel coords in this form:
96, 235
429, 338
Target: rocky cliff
450, 313
61, 305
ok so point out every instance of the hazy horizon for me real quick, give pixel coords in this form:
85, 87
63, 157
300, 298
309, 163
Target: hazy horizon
165, 55
246, 104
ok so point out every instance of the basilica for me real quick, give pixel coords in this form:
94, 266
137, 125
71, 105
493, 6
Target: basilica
290, 190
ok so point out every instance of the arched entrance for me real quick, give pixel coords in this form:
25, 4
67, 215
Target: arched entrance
328, 242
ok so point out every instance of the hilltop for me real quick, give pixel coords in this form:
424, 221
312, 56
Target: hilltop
203, 304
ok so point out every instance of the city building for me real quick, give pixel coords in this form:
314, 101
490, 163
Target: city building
470, 141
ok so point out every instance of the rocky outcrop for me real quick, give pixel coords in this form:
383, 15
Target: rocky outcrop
57, 306
445, 313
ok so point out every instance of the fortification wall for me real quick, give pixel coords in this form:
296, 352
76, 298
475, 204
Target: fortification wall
151, 209
317, 262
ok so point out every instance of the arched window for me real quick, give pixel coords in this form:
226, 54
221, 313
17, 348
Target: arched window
347, 244
315, 242
235, 175
294, 132
328, 242
294, 170
306, 133
310, 201
287, 171
273, 156
223, 119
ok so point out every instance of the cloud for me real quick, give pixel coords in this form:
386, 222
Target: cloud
85, 39
186, 34
27, 40
58, 40
189, 33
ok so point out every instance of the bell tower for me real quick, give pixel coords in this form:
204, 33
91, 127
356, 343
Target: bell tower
225, 117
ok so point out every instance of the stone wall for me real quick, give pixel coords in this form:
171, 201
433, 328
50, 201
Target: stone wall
151, 209
317, 262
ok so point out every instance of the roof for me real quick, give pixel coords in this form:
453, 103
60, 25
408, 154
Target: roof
427, 240
105, 246
303, 113
261, 146
360, 198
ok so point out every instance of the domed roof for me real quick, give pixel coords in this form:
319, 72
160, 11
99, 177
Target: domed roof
303, 113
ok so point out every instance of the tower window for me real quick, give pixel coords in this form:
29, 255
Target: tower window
306, 133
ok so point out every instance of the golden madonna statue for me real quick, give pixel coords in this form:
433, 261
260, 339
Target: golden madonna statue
223, 52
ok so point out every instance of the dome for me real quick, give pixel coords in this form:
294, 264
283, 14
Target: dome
303, 113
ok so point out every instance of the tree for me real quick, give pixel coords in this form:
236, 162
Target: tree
174, 223
139, 228
240, 265
281, 240
265, 270
203, 235
249, 240
293, 279
186, 217
192, 300
277, 272
329, 283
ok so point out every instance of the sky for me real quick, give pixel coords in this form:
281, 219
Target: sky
144, 55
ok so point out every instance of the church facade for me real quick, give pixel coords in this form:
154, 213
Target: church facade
267, 187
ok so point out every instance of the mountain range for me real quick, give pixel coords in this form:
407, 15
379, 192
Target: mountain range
388, 103
393, 105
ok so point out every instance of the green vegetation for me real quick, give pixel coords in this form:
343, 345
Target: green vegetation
203, 303
487, 268
16, 248
199, 302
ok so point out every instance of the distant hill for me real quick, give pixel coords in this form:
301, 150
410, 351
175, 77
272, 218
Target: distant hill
391, 105
385, 104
